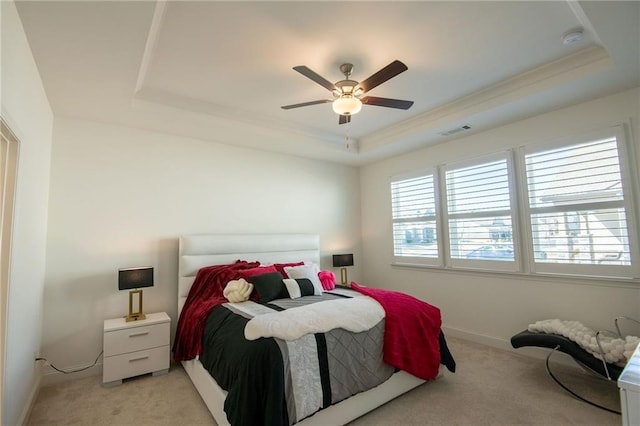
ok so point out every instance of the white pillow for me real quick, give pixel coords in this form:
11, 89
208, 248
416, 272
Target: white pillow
306, 271
292, 288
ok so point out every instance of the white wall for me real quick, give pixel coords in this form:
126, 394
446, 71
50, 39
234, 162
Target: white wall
484, 307
121, 197
26, 110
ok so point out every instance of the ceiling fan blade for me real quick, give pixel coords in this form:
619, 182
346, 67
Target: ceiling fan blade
344, 119
394, 68
387, 102
322, 101
307, 72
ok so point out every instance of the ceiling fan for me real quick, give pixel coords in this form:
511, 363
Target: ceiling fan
349, 95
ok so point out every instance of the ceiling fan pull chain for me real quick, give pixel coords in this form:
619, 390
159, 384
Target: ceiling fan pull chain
347, 140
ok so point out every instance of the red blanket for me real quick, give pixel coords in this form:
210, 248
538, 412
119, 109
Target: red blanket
205, 294
411, 332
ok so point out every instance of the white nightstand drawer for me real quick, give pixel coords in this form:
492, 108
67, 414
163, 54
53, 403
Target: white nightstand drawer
135, 339
135, 363
136, 347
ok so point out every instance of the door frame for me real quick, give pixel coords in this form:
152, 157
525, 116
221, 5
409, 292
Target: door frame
9, 147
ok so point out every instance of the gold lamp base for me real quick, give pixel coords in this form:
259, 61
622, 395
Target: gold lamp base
137, 315
343, 276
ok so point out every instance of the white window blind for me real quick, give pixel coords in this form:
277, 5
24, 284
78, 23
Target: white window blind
414, 219
479, 212
577, 207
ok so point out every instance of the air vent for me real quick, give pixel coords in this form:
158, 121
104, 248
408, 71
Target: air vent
455, 130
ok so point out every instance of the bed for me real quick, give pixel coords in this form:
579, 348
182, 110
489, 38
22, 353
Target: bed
199, 251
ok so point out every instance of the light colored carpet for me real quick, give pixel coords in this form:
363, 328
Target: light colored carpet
490, 387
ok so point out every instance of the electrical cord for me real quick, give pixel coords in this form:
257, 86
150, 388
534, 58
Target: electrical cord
572, 392
71, 371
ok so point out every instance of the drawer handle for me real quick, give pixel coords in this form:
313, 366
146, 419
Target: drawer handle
143, 333
140, 358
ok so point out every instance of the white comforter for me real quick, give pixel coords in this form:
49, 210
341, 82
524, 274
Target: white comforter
355, 314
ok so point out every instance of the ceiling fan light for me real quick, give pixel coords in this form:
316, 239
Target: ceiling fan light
347, 105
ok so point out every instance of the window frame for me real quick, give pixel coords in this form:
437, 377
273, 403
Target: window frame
629, 203
418, 260
482, 264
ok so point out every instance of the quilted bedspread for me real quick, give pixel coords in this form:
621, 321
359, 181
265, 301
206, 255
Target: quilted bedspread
272, 381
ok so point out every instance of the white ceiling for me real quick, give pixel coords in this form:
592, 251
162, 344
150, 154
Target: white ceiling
221, 70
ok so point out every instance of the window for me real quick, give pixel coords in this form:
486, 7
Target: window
578, 212
413, 204
479, 214
566, 209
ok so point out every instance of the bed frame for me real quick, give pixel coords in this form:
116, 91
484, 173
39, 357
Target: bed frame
197, 251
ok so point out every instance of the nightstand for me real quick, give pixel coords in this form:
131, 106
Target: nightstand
136, 347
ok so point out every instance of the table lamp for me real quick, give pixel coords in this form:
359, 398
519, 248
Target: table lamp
133, 279
342, 261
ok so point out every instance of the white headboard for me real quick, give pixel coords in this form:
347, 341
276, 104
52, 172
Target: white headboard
197, 251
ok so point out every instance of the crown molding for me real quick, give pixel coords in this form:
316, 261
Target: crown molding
150, 46
197, 106
585, 62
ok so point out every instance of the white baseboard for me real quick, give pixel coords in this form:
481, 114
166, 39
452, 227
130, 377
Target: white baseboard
530, 351
477, 338
33, 395
50, 376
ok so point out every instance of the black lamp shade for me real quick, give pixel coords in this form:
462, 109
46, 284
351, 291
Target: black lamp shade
340, 260
131, 278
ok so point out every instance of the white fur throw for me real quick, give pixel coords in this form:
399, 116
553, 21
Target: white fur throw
237, 290
617, 350
355, 314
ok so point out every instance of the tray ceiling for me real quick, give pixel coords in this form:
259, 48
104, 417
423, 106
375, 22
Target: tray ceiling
221, 70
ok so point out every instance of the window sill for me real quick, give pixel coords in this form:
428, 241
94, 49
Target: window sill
573, 279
